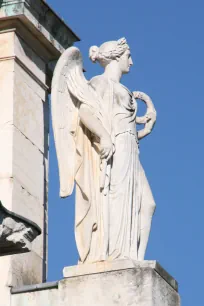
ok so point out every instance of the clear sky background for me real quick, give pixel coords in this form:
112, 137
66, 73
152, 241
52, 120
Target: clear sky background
167, 46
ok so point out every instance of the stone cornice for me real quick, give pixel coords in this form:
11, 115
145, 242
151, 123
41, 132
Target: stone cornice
41, 20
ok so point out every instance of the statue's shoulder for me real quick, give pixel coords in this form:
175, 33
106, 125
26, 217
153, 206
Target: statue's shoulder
99, 82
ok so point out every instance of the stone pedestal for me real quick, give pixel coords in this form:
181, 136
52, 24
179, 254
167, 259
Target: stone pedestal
122, 283
119, 283
32, 37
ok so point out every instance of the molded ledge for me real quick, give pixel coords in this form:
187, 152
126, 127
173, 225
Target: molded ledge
125, 264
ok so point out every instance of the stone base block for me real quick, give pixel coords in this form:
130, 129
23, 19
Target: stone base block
119, 283
122, 283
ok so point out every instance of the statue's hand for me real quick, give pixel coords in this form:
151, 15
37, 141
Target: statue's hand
106, 147
151, 117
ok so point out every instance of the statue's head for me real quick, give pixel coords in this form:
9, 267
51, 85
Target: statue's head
112, 51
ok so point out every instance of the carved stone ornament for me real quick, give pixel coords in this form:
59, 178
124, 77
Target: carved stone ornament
16, 233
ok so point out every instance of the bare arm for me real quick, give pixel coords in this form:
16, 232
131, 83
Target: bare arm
94, 125
91, 122
149, 125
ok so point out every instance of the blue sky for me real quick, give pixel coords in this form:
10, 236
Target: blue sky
167, 46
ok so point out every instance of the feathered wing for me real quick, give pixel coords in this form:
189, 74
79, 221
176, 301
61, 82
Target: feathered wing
69, 89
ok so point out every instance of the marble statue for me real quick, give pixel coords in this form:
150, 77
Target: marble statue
96, 141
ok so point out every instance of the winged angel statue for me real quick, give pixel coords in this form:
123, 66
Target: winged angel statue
97, 148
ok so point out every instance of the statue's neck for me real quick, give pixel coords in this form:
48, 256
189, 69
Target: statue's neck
113, 72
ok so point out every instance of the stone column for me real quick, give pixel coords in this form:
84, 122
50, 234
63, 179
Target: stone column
31, 37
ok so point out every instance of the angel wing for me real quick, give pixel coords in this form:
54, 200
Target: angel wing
69, 89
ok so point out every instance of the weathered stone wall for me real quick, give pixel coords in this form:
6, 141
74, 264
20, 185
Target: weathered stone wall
31, 37
24, 131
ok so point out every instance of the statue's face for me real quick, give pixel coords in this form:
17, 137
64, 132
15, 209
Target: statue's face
125, 62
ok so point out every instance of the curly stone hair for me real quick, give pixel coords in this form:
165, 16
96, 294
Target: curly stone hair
108, 51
